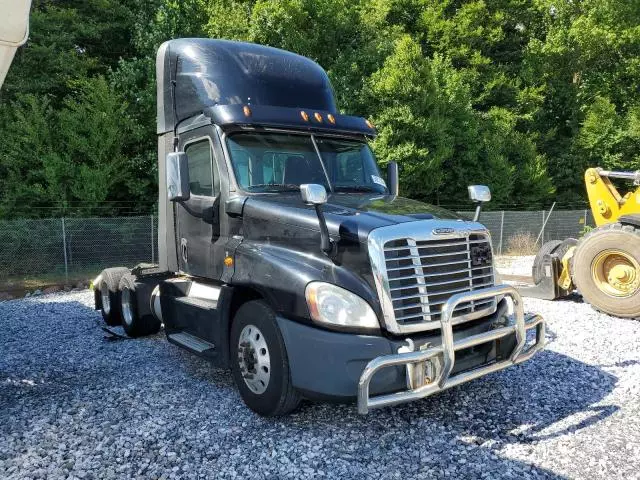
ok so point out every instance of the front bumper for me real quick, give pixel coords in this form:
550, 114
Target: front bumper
429, 371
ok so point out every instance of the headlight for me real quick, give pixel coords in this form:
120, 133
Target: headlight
336, 306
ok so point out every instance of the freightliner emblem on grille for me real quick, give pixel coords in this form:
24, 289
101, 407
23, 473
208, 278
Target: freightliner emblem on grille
442, 231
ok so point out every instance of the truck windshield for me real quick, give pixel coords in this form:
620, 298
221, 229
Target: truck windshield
266, 162
351, 166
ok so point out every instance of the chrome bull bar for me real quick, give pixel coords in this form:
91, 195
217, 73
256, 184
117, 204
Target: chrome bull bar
443, 355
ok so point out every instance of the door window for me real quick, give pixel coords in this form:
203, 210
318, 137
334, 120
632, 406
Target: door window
200, 168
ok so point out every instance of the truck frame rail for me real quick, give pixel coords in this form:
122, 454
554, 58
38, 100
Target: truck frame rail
429, 370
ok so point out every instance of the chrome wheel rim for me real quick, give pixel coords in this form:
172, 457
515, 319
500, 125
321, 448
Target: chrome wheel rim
254, 359
106, 300
127, 312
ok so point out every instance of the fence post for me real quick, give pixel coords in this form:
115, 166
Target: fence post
64, 248
586, 212
544, 223
501, 231
153, 247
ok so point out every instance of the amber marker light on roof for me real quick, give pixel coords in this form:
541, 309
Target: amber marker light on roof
246, 110
304, 115
318, 117
332, 119
369, 124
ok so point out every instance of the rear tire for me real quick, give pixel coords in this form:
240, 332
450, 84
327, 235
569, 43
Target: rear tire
553, 247
606, 269
256, 342
133, 323
547, 249
566, 245
110, 295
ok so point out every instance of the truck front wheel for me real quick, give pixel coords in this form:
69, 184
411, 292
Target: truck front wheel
259, 361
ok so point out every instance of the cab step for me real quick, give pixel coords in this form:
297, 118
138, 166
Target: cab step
203, 303
192, 313
192, 343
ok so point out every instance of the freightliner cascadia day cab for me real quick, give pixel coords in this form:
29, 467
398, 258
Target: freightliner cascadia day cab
285, 255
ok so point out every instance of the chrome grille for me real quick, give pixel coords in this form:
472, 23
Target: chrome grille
419, 275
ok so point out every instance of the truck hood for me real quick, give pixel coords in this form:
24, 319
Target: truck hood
349, 216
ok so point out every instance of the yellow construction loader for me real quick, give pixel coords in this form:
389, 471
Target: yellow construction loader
604, 265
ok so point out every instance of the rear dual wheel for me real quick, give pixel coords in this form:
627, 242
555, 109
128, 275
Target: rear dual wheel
110, 295
134, 324
117, 290
606, 269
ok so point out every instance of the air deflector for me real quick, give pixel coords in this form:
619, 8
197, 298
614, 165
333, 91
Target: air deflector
210, 72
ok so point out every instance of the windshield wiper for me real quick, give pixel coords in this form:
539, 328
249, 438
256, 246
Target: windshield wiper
355, 188
280, 187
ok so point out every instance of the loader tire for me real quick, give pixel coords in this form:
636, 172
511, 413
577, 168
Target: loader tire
134, 324
567, 244
110, 295
553, 247
606, 269
547, 249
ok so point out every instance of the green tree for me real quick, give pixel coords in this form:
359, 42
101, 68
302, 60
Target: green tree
587, 62
427, 123
72, 157
520, 94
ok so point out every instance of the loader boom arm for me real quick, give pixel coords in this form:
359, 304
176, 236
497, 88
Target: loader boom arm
607, 204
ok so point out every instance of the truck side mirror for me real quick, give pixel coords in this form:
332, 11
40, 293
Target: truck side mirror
316, 195
313, 194
479, 194
392, 178
178, 177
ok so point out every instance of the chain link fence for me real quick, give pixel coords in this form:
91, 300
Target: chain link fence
523, 232
63, 250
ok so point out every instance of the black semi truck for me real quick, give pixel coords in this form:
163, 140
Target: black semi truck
285, 256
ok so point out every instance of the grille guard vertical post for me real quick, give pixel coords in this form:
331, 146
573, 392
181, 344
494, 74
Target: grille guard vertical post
448, 348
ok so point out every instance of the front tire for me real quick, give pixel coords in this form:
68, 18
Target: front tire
259, 361
606, 269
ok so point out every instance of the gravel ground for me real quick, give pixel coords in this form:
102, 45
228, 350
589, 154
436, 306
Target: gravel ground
76, 405
515, 265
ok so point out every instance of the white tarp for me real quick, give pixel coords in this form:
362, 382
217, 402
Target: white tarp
14, 30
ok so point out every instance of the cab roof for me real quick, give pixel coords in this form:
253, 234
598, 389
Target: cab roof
210, 73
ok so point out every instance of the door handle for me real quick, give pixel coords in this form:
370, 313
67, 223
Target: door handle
183, 250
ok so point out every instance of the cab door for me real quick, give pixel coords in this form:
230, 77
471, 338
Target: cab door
198, 219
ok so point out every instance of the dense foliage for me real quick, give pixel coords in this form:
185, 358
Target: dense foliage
520, 94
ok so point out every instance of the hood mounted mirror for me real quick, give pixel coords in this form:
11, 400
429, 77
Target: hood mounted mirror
316, 195
479, 194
